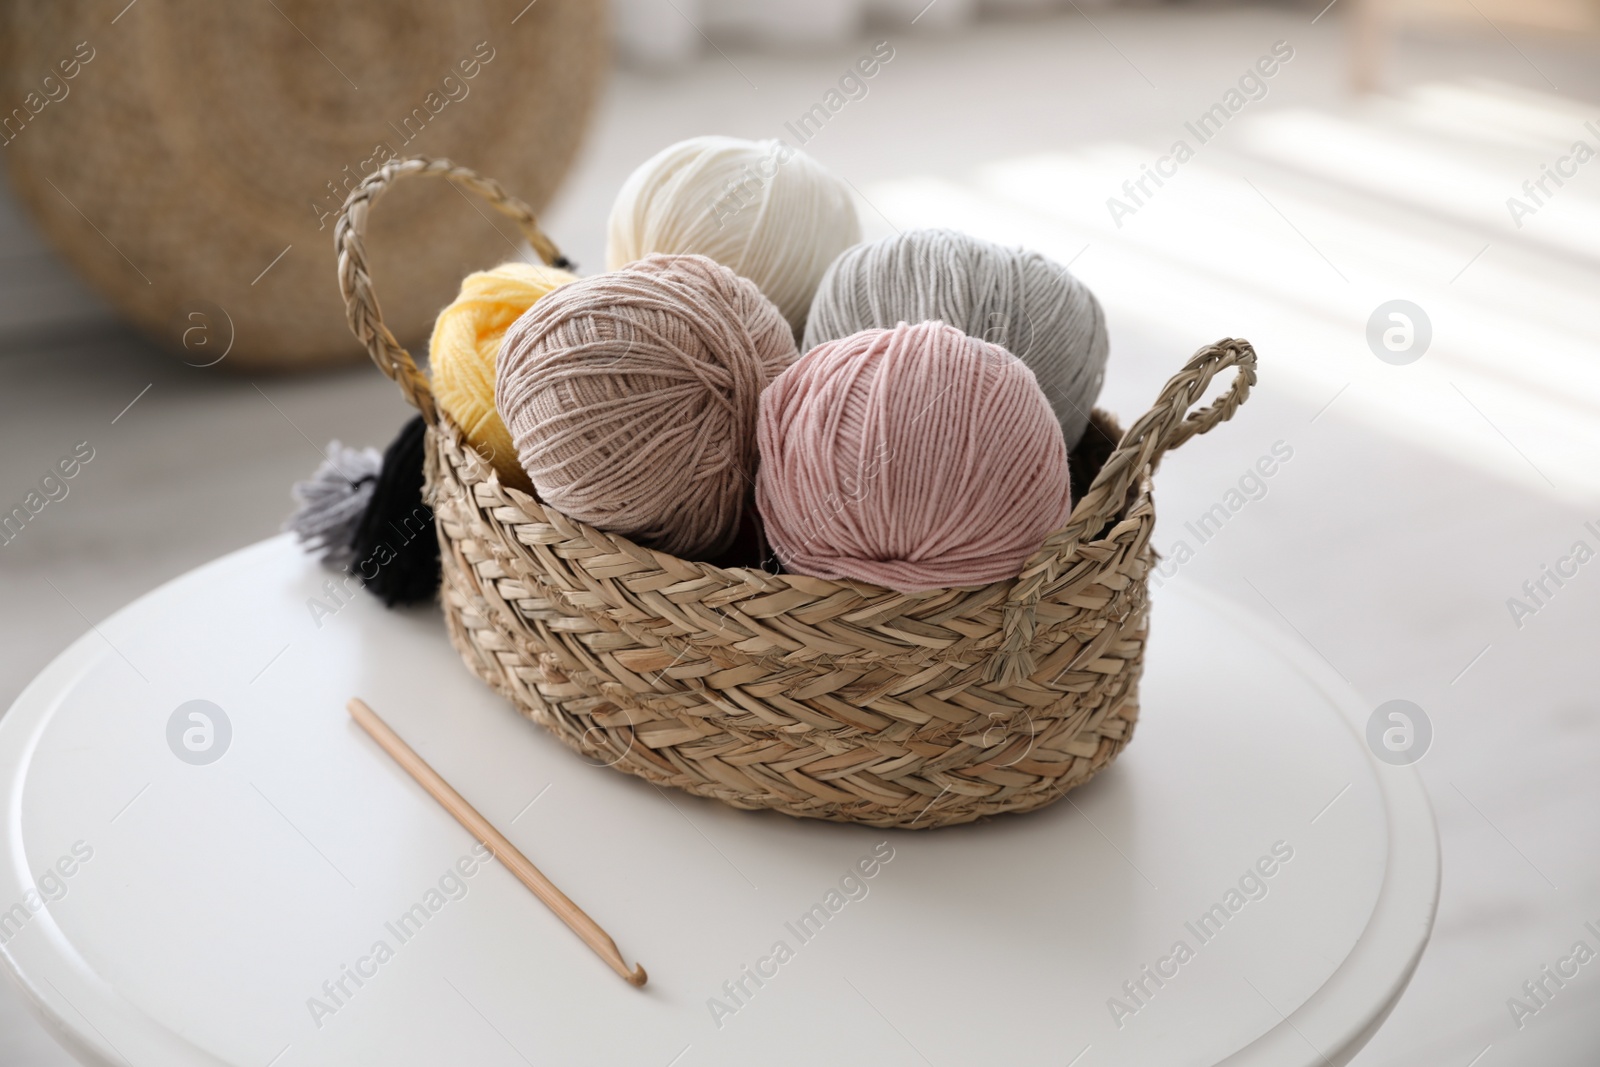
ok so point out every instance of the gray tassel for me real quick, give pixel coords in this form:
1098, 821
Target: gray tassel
331, 502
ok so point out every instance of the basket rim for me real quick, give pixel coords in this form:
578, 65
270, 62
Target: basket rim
1141, 490
876, 600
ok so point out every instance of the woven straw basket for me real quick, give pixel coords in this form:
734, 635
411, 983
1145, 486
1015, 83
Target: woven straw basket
824, 699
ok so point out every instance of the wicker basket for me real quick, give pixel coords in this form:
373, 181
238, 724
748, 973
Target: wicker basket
824, 699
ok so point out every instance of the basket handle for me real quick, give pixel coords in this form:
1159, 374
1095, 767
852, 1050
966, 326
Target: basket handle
1168, 424
355, 283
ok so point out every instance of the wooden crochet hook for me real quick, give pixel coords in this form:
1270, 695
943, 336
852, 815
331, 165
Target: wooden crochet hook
504, 850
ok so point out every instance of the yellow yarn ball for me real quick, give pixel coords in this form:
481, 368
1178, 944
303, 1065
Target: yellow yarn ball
466, 340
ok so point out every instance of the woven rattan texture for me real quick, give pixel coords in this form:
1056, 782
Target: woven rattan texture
817, 698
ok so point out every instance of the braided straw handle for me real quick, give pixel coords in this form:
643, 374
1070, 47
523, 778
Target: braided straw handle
355, 283
1168, 424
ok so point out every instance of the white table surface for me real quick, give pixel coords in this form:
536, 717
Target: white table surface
217, 899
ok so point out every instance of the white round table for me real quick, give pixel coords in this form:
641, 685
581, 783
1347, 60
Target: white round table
1247, 885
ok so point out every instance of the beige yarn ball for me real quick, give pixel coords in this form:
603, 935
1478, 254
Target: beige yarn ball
762, 208
632, 398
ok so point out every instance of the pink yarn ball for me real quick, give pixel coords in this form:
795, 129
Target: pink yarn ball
916, 458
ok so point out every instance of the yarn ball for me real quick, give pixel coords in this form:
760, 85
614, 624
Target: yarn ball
916, 458
764, 209
466, 341
632, 396
1022, 301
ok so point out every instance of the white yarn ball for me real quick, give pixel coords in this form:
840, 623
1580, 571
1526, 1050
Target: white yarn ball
763, 209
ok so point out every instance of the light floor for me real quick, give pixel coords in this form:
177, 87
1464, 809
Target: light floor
1418, 500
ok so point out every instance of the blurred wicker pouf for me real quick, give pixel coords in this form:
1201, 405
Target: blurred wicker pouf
193, 165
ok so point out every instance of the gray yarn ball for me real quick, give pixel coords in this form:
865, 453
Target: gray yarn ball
1020, 300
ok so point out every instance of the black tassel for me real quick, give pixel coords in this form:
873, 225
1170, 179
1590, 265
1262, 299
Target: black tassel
396, 548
